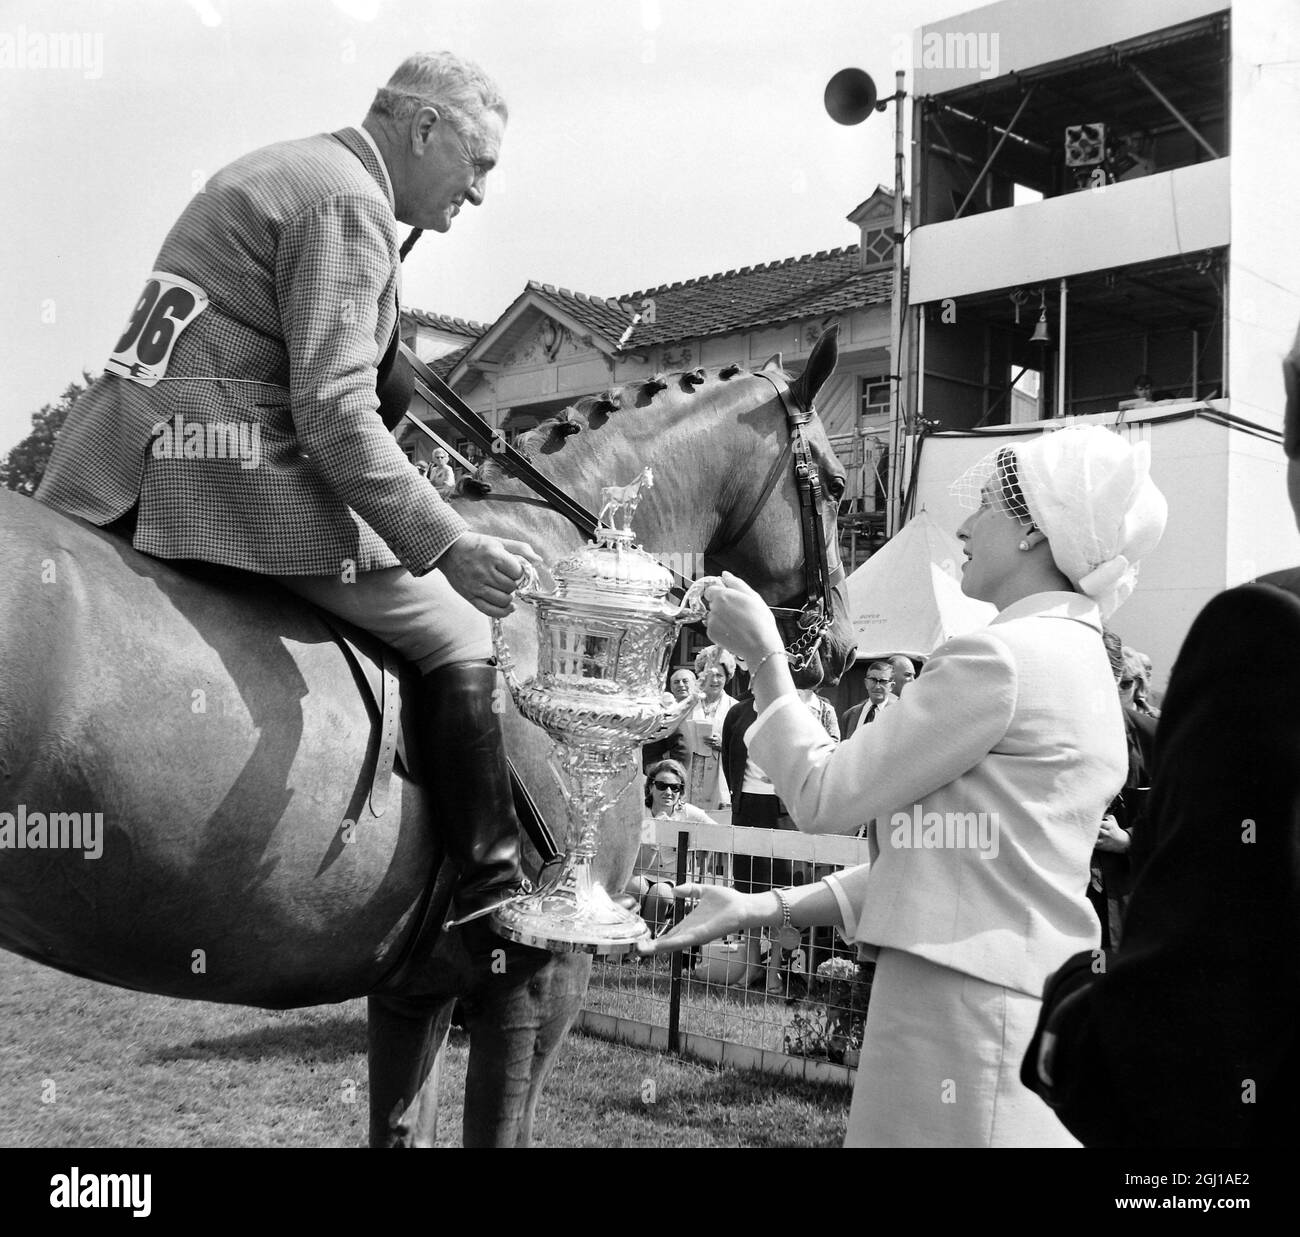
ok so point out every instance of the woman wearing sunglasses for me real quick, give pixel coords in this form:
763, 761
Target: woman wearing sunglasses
986, 784
655, 873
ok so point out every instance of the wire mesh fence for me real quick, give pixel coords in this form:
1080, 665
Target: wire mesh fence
743, 1001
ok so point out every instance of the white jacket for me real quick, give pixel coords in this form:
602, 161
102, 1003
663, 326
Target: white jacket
987, 782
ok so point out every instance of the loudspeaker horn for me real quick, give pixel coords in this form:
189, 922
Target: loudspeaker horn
850, 97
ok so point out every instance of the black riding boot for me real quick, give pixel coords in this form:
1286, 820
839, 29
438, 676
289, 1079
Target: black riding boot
469, 781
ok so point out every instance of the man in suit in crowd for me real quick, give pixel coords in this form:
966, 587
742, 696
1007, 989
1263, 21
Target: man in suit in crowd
681, 683
904, 672
1187, 1037
271, 317
880, 679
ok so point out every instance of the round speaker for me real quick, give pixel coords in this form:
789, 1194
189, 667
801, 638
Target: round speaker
850, 97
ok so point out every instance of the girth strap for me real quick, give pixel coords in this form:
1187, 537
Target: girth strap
387, 699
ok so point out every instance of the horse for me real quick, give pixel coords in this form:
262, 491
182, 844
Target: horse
225, 748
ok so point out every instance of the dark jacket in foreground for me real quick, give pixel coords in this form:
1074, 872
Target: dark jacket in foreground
1189, 1037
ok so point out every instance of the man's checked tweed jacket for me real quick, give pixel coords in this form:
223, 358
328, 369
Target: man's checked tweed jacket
296, 247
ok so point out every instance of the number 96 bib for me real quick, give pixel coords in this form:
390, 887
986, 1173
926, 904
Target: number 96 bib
166, 307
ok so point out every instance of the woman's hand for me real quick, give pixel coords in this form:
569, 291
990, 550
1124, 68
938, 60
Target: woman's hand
719, 911
739, 620
1112, 837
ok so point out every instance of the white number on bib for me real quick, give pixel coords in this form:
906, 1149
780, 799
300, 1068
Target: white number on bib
166, 307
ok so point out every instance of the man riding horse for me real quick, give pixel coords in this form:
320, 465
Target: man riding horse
272, 314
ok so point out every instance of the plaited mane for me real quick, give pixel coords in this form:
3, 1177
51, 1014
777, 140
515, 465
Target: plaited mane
628, 398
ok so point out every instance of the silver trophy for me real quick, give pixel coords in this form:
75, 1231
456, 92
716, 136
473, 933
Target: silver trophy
604, 637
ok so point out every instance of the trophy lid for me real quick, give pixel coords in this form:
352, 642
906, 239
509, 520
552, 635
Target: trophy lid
614, 571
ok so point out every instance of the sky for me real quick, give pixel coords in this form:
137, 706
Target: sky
649, 141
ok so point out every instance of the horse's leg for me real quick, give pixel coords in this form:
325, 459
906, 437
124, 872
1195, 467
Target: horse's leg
572, 978
515, 1032
405, 1043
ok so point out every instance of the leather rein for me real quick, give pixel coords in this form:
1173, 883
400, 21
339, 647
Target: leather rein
815, 617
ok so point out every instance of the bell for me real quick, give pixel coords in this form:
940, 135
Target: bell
1041, 334
850, 97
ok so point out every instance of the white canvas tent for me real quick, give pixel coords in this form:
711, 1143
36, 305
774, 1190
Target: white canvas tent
907, 598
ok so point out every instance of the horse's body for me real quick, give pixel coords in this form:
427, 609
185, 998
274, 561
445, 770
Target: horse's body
225, 737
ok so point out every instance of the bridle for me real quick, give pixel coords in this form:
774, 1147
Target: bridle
820, 574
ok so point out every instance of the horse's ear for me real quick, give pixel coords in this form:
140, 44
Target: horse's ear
773, 362
821, 365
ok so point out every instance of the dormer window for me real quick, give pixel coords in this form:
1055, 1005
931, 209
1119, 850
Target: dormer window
877, 247
875, 221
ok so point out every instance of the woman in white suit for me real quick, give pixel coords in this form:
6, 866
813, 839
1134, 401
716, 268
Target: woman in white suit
987, 782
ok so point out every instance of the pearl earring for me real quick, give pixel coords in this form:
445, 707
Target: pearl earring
1024, 545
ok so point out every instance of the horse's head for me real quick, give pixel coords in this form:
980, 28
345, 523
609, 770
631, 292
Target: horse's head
783, 542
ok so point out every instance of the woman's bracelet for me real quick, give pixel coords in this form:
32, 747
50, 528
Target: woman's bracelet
762, 661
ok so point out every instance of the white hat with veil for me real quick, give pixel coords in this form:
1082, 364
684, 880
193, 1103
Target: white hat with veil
1091, 495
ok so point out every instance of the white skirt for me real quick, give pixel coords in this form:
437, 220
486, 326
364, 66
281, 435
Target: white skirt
940, 1063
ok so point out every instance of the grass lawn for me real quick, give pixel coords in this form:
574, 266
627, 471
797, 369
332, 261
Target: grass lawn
85, 1065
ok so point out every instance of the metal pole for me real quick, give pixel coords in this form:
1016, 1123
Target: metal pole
675, 967
1225, 390
438, 440
1173, 111
920, 363
988, 163
1060, 361
897, 428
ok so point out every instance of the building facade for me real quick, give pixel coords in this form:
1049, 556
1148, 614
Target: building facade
1097, 198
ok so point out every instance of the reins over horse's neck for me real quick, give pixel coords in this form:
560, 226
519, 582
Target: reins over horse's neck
677, 433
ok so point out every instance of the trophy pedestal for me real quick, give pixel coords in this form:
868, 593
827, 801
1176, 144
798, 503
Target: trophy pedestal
571, 915
603, 641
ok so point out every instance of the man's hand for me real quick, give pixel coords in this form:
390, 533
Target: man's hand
486, 570
1112, 837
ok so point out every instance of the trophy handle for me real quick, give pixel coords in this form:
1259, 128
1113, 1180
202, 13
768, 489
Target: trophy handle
529, 583
505, 662
693, 608
528, 588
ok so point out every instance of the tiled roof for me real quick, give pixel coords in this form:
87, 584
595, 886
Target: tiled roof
443, 365
811, 286
807, 287
445, 322
608, 319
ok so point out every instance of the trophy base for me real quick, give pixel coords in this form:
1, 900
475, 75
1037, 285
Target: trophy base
555, 919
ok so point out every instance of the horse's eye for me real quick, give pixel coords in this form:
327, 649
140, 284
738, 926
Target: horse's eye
835, 488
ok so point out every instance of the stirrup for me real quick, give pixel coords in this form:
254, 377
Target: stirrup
524, 888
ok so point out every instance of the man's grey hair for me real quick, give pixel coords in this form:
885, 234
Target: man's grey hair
457, 87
